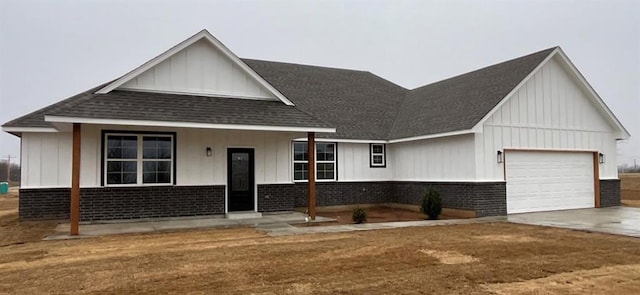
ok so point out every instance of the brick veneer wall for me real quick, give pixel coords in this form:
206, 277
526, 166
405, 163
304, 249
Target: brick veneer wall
44, 203
123, 202
609, 192
485, 198
281, 197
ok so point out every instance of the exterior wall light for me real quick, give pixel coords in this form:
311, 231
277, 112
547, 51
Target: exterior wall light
601, 158
500, 157
209, 152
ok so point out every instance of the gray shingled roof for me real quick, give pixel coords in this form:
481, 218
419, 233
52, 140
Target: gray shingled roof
359, 104
459, 103
36, 118
128, 105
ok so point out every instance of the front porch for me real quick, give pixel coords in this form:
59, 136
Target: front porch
194, 172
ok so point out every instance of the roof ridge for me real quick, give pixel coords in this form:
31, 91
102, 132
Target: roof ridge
303, 65
439, 100
550, 49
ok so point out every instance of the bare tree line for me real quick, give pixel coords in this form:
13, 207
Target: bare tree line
13, 170
626, 168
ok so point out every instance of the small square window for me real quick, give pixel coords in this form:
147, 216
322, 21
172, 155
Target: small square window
377, 155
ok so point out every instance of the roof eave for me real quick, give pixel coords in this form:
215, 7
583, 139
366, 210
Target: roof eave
150, 123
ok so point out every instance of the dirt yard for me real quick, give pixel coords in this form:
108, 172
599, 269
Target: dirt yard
489, 258
497, 258
630, 189
11, 230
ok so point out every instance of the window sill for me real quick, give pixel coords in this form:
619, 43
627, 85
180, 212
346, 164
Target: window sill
317, 180
138, 185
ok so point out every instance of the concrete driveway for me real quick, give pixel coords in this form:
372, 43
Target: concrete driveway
614, 220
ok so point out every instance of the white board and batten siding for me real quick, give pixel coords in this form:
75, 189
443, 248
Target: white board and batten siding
47, 156
200, 68
46, 160
550, 111
354, 163
440, 159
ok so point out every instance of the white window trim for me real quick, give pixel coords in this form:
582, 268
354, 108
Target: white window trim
139, 159
383, 154
335, 162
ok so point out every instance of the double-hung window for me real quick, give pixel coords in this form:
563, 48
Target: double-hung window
377, 155
138, 159
325, 161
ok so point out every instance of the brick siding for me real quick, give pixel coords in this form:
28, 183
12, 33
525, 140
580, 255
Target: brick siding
123, 202
485, 198
609, 192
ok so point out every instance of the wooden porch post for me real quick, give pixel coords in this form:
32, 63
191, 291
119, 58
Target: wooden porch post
75, 182
311, 151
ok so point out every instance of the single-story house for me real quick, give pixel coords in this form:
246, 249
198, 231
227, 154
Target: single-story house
200, 131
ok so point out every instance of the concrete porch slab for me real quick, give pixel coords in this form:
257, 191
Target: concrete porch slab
243, 215
268, 220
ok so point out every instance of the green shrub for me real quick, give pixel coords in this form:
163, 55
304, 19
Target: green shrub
432, 204
359, 215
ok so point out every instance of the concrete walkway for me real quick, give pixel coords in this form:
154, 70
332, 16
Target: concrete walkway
613, 220
287, 229
278, 224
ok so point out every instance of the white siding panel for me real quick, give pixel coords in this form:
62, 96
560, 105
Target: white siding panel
283, 158
199, 69
46, 160
47, 156
448, 159
90, 151
354, 165
559, 115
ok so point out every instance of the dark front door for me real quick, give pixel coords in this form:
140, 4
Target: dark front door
240, 179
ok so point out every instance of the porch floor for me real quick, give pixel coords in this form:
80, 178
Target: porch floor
274, 224
267, 221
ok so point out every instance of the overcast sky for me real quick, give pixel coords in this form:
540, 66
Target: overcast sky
50, 50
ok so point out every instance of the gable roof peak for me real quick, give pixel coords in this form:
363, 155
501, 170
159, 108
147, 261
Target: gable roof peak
201, 35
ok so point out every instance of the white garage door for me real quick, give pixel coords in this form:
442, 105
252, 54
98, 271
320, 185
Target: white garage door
544, 181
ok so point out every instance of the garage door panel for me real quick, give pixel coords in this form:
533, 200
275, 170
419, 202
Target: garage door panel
542, 181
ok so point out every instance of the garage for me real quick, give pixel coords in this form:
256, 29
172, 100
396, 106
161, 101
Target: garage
549, 180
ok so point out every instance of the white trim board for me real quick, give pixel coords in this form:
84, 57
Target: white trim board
414, 138
61, 119
196, 93
343, 140
204, 34
29, 129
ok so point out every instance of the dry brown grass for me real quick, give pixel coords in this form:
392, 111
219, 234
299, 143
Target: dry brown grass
630, 187
13, 231
470, 258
